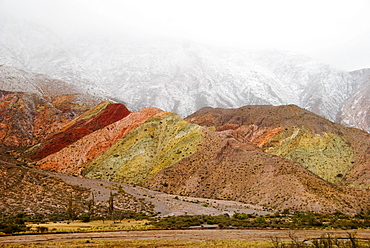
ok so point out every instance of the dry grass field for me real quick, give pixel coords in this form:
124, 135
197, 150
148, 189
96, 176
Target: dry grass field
188, 238
92, 226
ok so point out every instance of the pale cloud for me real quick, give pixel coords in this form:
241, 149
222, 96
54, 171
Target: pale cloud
328, 30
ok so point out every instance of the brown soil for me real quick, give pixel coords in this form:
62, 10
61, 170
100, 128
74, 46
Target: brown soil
191, 235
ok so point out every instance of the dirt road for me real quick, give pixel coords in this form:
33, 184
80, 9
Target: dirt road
193, 235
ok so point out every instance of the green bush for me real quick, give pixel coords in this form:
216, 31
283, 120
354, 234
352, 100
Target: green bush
84, 217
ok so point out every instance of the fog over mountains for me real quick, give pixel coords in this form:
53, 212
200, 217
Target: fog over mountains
182, 76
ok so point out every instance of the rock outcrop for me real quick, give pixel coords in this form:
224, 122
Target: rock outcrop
99, 117
27, 119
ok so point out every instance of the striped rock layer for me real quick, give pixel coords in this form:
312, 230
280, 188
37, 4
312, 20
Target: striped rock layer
102, 115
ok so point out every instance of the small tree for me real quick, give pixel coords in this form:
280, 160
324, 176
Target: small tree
91, 205
110, 205
84, 217
72, 208
69, 211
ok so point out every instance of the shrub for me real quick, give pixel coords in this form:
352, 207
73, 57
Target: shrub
11, 227
84, 217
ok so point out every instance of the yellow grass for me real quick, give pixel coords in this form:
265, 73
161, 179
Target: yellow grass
98, 225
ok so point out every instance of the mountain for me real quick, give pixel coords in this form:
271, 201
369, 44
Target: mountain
161, 151
182, 76
356, 109
28, 118
335, 153
34, 48
275, 156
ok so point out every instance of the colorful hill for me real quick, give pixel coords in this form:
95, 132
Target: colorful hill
161, 151
72, 159
225, 168
154, 145
335, 153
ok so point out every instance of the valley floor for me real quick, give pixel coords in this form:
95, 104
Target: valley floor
183, 235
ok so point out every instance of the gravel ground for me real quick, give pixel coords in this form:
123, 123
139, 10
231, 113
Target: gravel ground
165, 204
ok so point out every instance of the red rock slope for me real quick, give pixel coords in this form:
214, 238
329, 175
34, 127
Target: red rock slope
27, 119
100, 116
72, 159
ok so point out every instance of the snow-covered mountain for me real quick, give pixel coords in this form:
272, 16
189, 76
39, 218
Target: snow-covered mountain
33, 48
180, 75
356, 109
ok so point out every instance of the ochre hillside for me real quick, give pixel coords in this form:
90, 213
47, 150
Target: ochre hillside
226, 168
154, 145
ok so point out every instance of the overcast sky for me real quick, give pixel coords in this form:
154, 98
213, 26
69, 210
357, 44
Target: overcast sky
336, 32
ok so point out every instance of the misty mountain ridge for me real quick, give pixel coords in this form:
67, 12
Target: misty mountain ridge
183, 76
251, 154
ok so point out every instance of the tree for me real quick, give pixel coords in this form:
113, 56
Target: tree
69, 211
90, 205
72, 208
13, 224
110, 205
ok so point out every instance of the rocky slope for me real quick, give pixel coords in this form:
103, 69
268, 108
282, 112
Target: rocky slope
26, 119
30, 191
331, 151
182, 76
